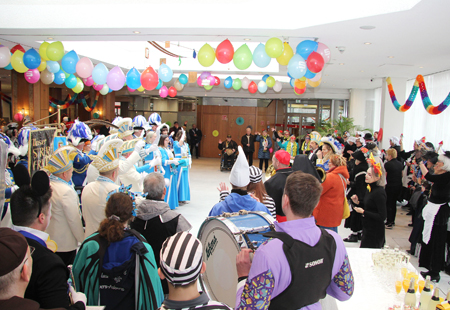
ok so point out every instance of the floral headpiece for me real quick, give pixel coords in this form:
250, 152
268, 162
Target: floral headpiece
127, 190
376, 166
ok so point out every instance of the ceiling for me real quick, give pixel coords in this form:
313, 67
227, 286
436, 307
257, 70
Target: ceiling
410, 37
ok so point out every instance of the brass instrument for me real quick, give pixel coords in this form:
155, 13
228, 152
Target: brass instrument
271, 171
322, 174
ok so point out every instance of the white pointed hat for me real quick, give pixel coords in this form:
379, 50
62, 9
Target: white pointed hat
240, 175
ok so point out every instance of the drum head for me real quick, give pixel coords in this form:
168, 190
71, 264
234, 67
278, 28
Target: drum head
219, 253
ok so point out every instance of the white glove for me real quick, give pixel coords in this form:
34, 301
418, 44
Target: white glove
173, 161
167, 182
152, 148
77, 296
139, 145
143, 153
172, 133
14, 188
155, 162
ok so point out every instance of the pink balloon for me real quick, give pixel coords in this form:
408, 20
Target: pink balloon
84, 68
212, 80
163, 92
199, 81
323, 50
317, 77
205, 75
98, 87
89, 81
32, 76
115, 78
130, 89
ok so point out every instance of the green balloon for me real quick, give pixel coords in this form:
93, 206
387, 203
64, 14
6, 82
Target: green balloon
96, 115
206, 55
79, 87
270, 81
243, 57
55, 51
208, 87
237, 84
274, 47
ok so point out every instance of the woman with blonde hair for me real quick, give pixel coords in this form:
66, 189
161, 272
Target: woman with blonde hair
329, 211
330, 147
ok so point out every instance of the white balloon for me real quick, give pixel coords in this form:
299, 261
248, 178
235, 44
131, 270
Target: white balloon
317, 77
277, 87
245, 83
47, 77
5, 56
104, 91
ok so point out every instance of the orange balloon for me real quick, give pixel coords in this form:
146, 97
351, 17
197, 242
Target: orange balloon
299, 84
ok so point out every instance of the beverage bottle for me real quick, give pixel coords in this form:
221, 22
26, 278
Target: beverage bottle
426, 295
434, 301
410, 296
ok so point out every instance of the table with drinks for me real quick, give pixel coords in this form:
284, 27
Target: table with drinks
385, 279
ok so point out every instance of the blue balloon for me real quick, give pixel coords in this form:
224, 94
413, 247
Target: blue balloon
31, 59
289, 75
53, 66
71, 81
183, 79
309, 74
262, 87
264, 78
297, 66
292, 82
100, 73
306, 47
60, 77
133, 79
228, 82
165, 73
110, 91
160, 84
260, 57
69, 62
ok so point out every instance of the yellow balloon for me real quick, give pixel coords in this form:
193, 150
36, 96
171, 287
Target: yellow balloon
206, 55
79, 87
286, 56
17, 62
43, 50
314, 84
55, 51
42, 66
302, 79
141, 88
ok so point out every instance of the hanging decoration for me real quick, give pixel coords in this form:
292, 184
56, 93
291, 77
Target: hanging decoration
419, 83
163, 50
71, 100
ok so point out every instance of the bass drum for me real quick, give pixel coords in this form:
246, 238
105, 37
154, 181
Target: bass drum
222, 238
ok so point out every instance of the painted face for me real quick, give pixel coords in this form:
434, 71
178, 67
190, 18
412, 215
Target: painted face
370, 176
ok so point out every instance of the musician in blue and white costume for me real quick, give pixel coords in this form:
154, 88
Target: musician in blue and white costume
129, 173
181, 150
22, 140
5, 212
78, 134
154, 120
139, 126
170, 163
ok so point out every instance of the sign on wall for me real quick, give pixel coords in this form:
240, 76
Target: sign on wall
40, 148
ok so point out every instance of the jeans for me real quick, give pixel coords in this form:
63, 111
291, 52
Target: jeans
335, 229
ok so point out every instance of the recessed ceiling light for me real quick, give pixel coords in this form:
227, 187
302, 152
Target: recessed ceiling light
362, 70
367, 43
341, 64
49, 38
247, 39
136, 32
421, 67
367, 27
390, 56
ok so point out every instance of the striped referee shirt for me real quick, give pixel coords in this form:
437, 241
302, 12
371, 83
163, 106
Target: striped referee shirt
201, 302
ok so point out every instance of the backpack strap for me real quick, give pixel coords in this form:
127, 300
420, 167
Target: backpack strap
102, 247
287, 240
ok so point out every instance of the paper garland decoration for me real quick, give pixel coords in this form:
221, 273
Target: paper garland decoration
215, 133
419, 83
73, 100
239, 121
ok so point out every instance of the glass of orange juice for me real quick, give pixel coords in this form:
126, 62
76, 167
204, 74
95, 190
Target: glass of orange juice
398, 286
404, 272
421, 285
405, 284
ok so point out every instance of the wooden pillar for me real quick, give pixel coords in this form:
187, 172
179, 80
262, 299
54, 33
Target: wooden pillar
108, 106
21, 93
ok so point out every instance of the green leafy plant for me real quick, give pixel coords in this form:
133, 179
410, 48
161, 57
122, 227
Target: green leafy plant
340, 125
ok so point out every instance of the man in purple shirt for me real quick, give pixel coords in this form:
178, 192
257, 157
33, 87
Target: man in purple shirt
301, 264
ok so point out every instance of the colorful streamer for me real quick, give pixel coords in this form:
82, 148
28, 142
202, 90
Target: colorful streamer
419, 84
73, 100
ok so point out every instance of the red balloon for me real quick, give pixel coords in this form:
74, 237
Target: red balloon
17, 47
172, 91
315, 62
217, 81
252, 87
149, 79
225, 52
299, 91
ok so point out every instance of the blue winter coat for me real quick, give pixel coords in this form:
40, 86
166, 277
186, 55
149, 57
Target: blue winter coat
235, 202
261, 153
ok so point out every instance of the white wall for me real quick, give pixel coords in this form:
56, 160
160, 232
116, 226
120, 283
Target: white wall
357, 106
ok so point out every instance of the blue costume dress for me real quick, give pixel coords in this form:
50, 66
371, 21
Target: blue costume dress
80, 165
10, 186
184, 191
170, 173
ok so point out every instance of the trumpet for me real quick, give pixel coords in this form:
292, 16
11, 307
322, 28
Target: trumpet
322, 174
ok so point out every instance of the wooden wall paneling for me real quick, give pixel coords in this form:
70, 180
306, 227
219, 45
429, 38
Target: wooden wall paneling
214, 109
209, 142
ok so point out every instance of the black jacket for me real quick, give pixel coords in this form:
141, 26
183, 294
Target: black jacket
48, 282
394, 170
232, 145
17, 303
275, 187
195, 136
374, 206
245, 141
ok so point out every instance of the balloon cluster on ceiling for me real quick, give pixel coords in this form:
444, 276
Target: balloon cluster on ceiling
304, 66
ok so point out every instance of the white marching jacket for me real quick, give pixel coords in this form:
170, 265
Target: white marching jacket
128, 174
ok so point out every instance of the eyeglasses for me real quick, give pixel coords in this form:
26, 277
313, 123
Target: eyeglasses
32, 248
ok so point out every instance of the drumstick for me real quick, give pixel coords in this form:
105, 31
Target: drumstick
251, 254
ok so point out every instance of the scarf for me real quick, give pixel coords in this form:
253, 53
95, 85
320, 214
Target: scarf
292, 148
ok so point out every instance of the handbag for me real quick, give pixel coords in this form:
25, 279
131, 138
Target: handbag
346, 213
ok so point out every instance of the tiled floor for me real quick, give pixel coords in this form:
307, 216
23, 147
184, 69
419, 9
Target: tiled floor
205, 177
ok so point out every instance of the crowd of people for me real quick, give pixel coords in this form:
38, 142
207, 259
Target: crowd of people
98, 226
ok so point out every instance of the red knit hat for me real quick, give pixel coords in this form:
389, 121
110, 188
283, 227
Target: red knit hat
283, 157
